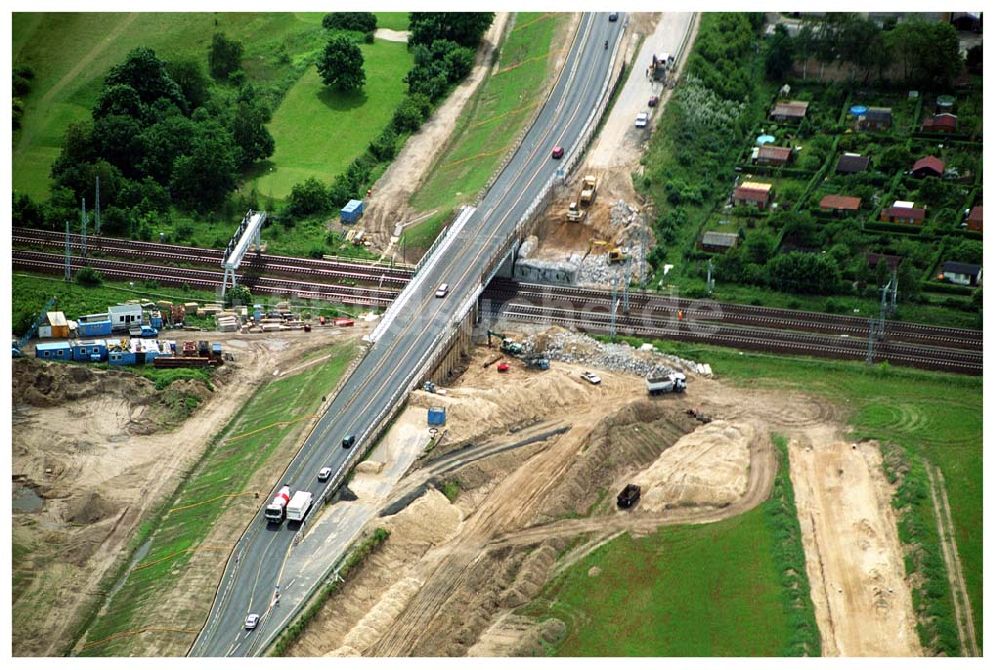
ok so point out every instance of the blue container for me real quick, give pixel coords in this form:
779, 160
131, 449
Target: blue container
156, 320
435, 416
94, 328
352, 211
217, 349
258, 312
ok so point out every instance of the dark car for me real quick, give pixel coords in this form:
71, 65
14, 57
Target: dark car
557, 152
654, 100
348, 442
613, 16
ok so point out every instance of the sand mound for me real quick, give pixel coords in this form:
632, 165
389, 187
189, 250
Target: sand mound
706, 467
477, 411
44, 384
515, 635
379, 618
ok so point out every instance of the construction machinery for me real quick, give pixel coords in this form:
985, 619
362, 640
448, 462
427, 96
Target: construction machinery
672, 382
574, 213
661, 65
629, 496
616, 255
507, 345
540, 361
19, 343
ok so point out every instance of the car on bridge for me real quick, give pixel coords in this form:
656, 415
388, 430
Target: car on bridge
558, 152
348, 441
325, 473
612, 17
252, 621
442, 291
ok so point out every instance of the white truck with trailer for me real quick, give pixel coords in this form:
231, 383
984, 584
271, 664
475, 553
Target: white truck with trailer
275, 510
299, 505
672, 382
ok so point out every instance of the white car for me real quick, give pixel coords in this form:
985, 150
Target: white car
325, 473
591, 377
251, 622
442, 291
641, 119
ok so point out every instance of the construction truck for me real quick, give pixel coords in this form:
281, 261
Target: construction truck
299, 505
672, 382
275, 510
589, 190
574, 213
661, 65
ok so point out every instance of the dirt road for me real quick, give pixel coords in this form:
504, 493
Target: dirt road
853, 555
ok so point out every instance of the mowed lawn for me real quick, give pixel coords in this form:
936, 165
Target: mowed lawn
706, 590
932, 415
71, 52
486, 131
319, 131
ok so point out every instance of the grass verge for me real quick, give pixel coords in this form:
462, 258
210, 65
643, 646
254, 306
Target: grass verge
273, 419
488, 127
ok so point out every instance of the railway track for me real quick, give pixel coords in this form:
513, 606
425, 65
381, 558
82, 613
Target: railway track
649, 315
38, 261
193, 256
765, 317
749, 337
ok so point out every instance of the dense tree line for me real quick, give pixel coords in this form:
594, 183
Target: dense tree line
20, 86
927, 51
157, 137
364, 22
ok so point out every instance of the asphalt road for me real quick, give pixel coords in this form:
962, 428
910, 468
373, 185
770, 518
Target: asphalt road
254, 574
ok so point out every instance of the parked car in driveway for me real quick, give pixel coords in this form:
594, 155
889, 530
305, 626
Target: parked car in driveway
251, 622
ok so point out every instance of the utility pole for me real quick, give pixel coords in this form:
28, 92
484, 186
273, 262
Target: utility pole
709, 282
895, 290
870, 355
97, 206
882, 310
66, 263
83, 225
614, 303
626, 280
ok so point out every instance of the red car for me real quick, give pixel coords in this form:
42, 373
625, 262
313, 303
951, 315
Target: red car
654, 100
557, 152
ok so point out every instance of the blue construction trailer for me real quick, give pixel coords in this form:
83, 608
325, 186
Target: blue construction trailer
59, 351
352, 211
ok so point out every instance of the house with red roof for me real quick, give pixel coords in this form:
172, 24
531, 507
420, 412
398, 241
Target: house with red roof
928, 166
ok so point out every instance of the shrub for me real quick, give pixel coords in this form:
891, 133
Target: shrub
88, 276
307, 198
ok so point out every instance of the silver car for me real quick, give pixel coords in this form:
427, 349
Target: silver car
251, 622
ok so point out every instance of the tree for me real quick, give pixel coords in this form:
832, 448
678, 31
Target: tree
238, 295
250, 129
224, 56
779, 55
192, 81
342, 65
759, 246
148, 77
119, 140
465, 28
307, 198
26, 212
202, 179
800, 272
383, 147
928, 51
364, 22
411, 112
908, 284
974, 59
119, 99
88, 276
164, 142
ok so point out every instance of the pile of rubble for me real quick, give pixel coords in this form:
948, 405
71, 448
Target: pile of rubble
633, 239
569, 347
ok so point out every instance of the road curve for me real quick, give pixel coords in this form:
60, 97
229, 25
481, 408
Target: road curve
255, 568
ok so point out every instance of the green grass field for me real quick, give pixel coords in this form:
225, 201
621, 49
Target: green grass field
708, 590
393, 20
485, 132
71, 52
318, 131
275, 416
931, 415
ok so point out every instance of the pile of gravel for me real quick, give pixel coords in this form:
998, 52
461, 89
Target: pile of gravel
595, 269
569, 347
